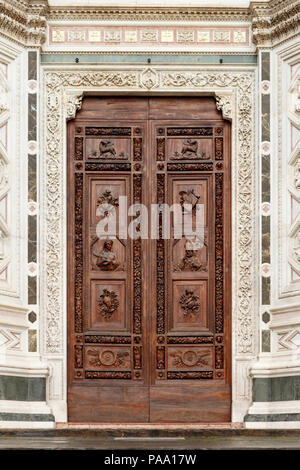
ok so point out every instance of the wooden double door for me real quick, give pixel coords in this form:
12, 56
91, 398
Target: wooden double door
148, 318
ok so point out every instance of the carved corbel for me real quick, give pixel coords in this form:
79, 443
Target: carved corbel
73, 103
224, 104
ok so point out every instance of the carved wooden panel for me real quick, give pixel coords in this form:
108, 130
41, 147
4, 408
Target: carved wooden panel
106, 313
190, 270
189, 309
191, 358
105, 358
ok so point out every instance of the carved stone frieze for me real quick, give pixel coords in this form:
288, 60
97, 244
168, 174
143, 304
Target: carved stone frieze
172, 13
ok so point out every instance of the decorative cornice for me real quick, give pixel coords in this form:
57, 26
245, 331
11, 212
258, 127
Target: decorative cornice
24, 21
274, 21
182, 14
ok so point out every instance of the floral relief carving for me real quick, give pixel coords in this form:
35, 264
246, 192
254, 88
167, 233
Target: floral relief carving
65, 87
189, 303
190, 359
108, 303
107, 358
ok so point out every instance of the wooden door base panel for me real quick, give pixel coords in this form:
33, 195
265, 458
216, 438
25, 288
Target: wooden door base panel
189, 404
107, 404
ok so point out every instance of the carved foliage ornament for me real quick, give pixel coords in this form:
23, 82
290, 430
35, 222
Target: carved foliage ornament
273, 21
189, 303
107, 358
189, 359
108, 303
236, 84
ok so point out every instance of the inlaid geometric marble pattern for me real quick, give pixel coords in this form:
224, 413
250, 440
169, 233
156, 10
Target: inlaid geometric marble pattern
32, 192
265, 194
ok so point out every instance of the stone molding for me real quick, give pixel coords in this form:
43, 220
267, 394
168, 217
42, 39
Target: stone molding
274, 21
234, 92
182, 14
26, 21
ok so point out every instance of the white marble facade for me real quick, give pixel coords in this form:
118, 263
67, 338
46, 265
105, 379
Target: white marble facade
250, 61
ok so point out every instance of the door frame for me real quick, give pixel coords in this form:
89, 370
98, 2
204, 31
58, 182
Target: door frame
63, 90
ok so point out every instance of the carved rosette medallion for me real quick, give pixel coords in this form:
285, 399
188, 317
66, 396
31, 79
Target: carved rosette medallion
107, 358
189, 359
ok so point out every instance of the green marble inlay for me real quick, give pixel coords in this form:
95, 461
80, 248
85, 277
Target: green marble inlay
265, 241
265, 178
266, 317
32, 317
26, 417
142, 58
22, 388
272, 418
32, 122
265, 289
32, 169
32, 189
32, 65
32, 239
32, 340
265, 341
276, 389
265, 118
32, 292
265, 65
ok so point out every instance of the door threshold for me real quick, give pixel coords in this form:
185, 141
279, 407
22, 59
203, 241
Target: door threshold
149, 426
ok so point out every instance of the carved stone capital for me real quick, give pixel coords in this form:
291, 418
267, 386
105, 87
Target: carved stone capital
274, 21
24, 21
